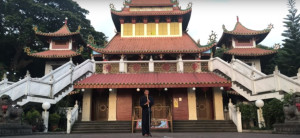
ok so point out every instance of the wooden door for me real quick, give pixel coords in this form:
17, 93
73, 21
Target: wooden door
204, 104
100, 106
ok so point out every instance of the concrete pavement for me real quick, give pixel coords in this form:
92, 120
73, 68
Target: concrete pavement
162, 135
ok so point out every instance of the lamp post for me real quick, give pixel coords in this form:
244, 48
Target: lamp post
261, 120
45, 115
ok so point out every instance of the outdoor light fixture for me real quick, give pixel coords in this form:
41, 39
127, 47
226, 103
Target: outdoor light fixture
110, 89
221, 88
261, 120
259, 103
46, 105
138, 89
83, 90
194, 88
7, 73
166, 89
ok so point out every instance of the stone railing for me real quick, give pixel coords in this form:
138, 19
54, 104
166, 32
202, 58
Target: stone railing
235, 115
254, 80
48, 87
72, 117
140, 66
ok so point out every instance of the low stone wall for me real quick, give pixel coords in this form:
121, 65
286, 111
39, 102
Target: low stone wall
15, 129
287, 128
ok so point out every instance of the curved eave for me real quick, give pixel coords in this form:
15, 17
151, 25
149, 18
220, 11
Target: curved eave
270, 52
47, 36
104, 51
36, 55
226, 36
117, 14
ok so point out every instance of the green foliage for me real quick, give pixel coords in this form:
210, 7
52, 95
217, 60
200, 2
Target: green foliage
249, 113
219, 52
273, 112
289, 56
287, 99
18, 18
32, 117
54, 119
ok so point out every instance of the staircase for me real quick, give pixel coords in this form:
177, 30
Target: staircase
204, 126
50, 88
102, 127
253, 84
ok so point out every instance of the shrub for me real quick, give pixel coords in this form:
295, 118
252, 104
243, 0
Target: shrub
249, 114
273, 112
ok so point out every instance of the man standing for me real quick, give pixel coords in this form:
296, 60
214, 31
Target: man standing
146, 102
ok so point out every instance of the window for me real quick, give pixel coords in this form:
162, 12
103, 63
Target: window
139, 29
151, 29
163, 28
127, 30
174, 28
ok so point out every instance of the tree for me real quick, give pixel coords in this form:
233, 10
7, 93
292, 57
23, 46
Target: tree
19, 17
289, 56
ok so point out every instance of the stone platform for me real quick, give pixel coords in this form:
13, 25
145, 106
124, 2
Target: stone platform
15, 129
287, 128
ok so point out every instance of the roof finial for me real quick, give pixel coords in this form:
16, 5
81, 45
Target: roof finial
66, 20
237, 19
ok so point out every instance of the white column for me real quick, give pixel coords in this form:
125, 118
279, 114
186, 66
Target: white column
45, 115
151, 64
145, 29
133, 29
50, 47
112, 105
180, 64
86, 105
122, 65
180, 29
122, 30
169, 28
156, 27
233, 43
192, 104
261, 120
70, 44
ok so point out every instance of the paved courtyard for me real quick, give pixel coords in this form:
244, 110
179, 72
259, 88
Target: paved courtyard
164, 135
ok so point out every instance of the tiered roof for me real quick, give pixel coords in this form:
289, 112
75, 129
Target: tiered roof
151, 45
147, 3
55, 54
241, 31
153, 80
64, 31
126, 12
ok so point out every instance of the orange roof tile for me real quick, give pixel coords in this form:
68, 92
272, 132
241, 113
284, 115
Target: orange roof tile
63, 31
148, 13
55, 54
153, 80
147, 45
150, 3
249, 52
239, 29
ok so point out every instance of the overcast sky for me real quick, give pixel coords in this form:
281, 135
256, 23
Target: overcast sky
207, 15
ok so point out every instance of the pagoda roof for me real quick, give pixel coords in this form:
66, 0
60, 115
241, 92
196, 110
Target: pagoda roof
151, 45
55, 54
63, 31
240, 31
139, 3
249, 52
176, 11
153, 80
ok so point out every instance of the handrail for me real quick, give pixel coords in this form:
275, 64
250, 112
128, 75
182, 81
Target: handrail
147, 61
72, 117
235, 115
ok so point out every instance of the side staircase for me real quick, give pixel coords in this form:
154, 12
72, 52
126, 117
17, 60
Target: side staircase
204, 126
102, 127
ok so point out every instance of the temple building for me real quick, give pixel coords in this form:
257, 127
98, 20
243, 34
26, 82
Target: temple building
152, 50
64, 46
241, 43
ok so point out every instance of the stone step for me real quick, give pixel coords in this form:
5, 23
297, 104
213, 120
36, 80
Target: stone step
102, 127
204, 126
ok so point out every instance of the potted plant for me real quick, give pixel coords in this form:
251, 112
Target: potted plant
54, 120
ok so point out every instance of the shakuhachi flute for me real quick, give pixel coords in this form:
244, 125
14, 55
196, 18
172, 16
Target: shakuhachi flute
149, 112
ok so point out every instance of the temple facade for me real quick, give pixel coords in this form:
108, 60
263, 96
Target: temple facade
152, 50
